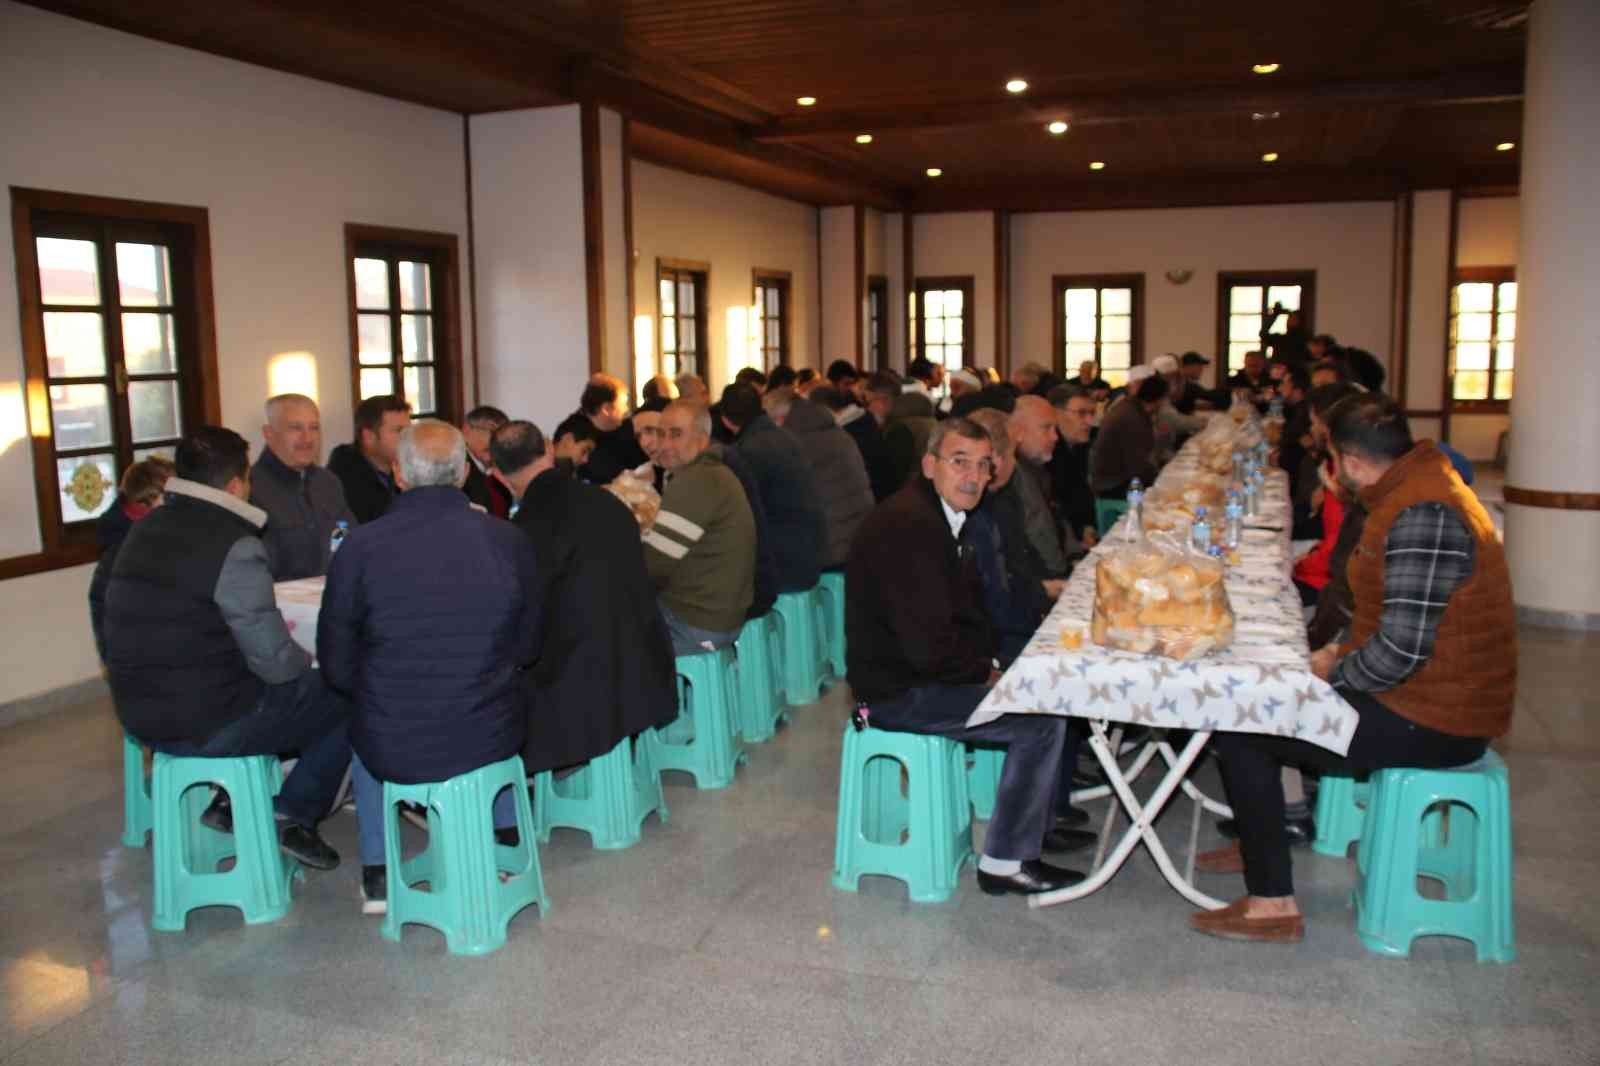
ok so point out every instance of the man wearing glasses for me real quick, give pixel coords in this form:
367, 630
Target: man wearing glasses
921, 651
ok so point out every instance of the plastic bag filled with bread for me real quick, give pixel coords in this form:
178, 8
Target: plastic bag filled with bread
640, 496
1172, 503
1156, 597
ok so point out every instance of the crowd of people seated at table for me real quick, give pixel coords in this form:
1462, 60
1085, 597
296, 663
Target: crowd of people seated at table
956, 504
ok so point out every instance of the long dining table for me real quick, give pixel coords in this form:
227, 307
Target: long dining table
1261, 683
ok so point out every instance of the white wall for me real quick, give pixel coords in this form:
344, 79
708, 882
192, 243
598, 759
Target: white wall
894, 228
684, 216
281, 162
958, 244
1348, 245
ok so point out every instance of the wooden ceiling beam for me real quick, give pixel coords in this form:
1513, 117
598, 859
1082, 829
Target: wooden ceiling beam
1457, 88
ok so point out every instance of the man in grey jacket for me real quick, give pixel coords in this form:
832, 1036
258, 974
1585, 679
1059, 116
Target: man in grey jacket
1033, 426
199, 658
303, 500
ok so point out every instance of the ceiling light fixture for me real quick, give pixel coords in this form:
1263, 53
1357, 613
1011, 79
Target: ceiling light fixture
863, 138
1505, 146
1097, 165
1269, 157
1057, 128
1263, 116
1016, 85
1265, 68
934, 172
806, 101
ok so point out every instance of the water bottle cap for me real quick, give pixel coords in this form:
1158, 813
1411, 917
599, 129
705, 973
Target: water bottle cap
342, 524
1199, 513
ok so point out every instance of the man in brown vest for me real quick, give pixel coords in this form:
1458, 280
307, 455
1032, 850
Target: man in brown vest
1430, 662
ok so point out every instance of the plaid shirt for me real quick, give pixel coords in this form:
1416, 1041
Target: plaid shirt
1427, 556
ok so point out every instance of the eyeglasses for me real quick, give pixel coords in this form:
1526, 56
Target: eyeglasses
964, 465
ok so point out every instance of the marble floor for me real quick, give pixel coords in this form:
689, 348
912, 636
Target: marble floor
718, 939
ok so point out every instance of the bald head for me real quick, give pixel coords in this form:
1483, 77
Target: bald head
685, 432
1033, 427
431, 453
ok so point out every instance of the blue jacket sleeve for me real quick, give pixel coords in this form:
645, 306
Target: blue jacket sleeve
339, 621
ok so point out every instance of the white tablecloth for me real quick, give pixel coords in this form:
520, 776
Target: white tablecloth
299, 602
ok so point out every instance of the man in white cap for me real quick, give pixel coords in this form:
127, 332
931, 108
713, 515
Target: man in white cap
1173, 427
960, 382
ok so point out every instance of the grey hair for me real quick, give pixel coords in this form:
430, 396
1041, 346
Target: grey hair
778, 402
283, 399
421, 468
994, 423
964, 428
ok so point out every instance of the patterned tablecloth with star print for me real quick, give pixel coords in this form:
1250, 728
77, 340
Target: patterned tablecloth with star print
1261, 683
299, 602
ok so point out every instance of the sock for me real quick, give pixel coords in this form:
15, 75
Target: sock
1297, 812
999, 867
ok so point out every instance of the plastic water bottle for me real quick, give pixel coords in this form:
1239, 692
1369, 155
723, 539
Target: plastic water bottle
1200, 533
1275, 408
1135, 523
1233, 522
1238, 466
1252, 499
341, 530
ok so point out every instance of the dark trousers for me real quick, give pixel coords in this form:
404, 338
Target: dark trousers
1024, 805
303, 716
1251, 764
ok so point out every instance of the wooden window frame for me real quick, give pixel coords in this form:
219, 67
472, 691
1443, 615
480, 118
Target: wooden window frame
200, 397
783, 281
442, 252
1227, 279
1496, 275
876, 356
1060, 283
702, 281
922, 285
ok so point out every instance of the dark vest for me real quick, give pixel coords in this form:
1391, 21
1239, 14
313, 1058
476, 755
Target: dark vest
176, 672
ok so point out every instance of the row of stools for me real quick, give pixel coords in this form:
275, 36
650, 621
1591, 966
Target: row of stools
476, 885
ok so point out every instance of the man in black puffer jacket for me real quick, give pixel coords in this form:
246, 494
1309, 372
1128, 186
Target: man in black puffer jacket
788, 488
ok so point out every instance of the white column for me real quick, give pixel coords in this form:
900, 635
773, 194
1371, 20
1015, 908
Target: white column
1555, 436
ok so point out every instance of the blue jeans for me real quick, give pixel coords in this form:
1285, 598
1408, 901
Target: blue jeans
690, 640
369, 812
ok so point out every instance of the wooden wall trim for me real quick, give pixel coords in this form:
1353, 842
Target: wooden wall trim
1002, 293
908, 274
821, 322
594, 233
1560, 501
1404, 211
472, 262
860, 330
1449, 283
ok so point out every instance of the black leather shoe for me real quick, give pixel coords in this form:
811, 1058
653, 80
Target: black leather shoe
1034, 877
1300, 831
1228, 828
508, 837
299, 842
1072, 818
219, 814
1062, 838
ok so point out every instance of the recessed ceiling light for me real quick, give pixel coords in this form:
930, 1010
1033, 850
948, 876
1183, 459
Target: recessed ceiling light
863, 138
1505, 146
1269, 157
934, 172
1265, 68
1057, 128
1097, 165
1263, 116
806, 101
1016, 85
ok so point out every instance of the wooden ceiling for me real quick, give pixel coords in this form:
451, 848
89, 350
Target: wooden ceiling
1371, 96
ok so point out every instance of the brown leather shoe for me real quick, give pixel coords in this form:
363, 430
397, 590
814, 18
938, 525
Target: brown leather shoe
1227, 859
1231, 923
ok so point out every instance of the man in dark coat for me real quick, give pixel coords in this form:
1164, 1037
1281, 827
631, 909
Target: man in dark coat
865, 424
365, 466
429, 617
605, 670
605, 403
481, 487
788, 488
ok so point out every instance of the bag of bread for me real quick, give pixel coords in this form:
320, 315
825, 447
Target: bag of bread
1158, 597
640, 496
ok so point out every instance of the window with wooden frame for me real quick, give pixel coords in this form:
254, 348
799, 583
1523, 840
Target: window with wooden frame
943, 313
119, 347
681, 316
1245, 302
405, 321
877, 322
770, 326
1483, 338
1099, 317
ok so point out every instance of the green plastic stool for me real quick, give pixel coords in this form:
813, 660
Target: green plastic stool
136, 820
1469, 849
703, 741
934, 816
467, 900
830, 596
759, 651
186, 854
1341, 811
1106, 513
609, 798
803, 672
983, 779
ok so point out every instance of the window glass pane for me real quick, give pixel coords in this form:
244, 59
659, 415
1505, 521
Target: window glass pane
416, 338
1245, 299
148, 346
933, 303
1077, 353
372, 283
669, 334
1116, 328
74, 346
165, 451
376, 382
1115, 378
374, 346
686, 300
1287, 295
953, 300
668, 306
1472, 355
1080, 302
1472, 385
144, 275
1080, 328
1474, 296
153, 410
688, 336
774, 302
1116, 355
1505, 355
1236, 353
1472, 327
1116, 301
1508, 296
669, 364
416, 286
88, 485
1244, 327
81, 416
68, 271
1506, 328
419, 389
1502, 385
935, 331
774, 335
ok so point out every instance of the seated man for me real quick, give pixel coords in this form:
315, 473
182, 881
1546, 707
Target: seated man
605, 404
303, 501
788, 487
647, 430
838, 472
911, 418
481, 487
659, 387
692, 387
365, 466
1430, 664
1089, 379
139, 493
920, 649
1124, 448
429, 616
575, 439
1032, 428
866, 425
199, 659
702, 552
1069, 464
